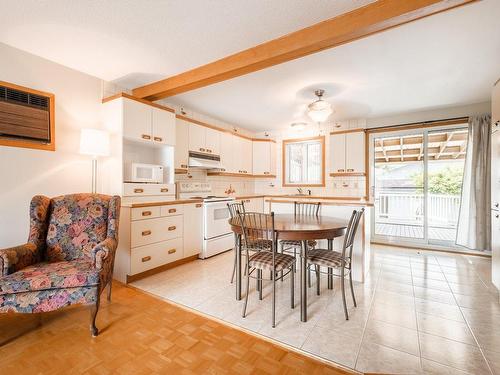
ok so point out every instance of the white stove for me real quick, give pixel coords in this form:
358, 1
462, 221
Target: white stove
217, 235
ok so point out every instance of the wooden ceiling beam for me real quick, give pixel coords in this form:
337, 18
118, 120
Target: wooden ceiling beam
359, 23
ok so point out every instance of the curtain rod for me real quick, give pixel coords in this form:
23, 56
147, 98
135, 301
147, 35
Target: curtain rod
451, 120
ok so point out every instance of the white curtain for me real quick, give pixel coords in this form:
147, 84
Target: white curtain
474, 231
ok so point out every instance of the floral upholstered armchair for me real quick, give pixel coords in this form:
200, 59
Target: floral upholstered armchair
68, 258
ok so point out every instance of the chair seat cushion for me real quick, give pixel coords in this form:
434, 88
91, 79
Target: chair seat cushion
263, 260
326, 258
296, 243
55, 275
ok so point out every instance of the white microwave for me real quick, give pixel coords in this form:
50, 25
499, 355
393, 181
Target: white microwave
147, 173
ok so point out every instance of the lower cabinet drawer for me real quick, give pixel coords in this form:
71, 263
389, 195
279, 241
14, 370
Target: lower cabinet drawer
171, 209
144, 258
145, 232
141, 213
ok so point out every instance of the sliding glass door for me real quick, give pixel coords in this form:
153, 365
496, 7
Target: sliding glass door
416, 177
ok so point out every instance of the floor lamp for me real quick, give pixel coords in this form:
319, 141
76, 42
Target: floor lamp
95, 143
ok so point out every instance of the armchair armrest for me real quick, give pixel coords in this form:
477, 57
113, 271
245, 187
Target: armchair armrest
15, 258
104, 252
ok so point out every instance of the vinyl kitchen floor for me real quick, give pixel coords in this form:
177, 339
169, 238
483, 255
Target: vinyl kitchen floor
418, 312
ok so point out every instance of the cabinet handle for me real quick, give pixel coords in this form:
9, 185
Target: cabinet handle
202, 149
146, 213
266, 172
145, 136
497, 216
164, 190
497, 123
146, 233
172, 210
350, 170
158, 139
171, 251
184, 166
173, 227
497, 205
198, 205
340, 170
146, 259
138, 190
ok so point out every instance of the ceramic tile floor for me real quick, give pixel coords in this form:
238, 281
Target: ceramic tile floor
418, 312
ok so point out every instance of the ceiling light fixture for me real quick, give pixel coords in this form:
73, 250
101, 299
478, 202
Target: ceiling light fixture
319, 110
298, 126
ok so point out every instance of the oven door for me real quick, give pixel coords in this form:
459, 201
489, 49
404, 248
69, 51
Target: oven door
216, 220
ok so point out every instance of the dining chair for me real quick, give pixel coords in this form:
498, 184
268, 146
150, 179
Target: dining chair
301, 209
338, 260
233, 212
258, 231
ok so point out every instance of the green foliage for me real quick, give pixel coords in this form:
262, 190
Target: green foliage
445, 181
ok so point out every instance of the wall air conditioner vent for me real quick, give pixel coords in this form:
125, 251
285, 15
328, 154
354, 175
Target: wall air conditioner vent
25, 115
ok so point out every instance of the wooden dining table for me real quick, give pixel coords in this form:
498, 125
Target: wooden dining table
300, 228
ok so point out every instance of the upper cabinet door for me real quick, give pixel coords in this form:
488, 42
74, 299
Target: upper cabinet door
337, 152
136, 120
261, 158
237, 146
212, 141
355, 152
163, 123
247, 156
181, 144
272, 149
197, 138
226, 153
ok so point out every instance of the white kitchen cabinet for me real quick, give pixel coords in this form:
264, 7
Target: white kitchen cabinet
226, 153
254, 204
197, 137
193, 229
163, 126
355, 152
247, 152
337, 152
347, 152
181, 153
146, 123
136, 120
212, 141
264, 158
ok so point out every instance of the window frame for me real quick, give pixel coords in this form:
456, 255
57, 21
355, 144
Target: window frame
285, 142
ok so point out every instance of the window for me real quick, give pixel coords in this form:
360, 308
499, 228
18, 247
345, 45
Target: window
304, 162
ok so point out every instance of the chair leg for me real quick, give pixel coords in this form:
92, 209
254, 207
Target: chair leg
274, 298
281, 272
352, 289
110, 284
259, 281
93, 315
247, 271
309, 284
292, 286
342, 286
234, 268
318, 286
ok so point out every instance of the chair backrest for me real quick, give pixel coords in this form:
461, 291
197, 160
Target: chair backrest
235, 207
352, 228
306, 208
258, 231
78, 222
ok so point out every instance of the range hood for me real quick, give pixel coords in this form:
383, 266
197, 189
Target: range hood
198, 160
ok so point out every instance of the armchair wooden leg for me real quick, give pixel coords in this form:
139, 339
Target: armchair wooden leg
93, 315
109, 289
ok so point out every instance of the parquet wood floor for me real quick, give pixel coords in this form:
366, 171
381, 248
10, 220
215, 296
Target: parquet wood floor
140, 335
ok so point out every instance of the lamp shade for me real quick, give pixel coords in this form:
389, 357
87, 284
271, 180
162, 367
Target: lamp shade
94, 142
319, 110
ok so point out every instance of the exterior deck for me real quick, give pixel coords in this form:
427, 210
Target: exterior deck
415, 231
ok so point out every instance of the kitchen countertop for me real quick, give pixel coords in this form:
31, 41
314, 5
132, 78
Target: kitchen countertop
330, 200
162, 203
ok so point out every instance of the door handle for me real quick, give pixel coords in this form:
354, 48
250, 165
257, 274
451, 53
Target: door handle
145, 136
158, 139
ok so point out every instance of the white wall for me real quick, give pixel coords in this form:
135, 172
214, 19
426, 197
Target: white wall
26, 172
